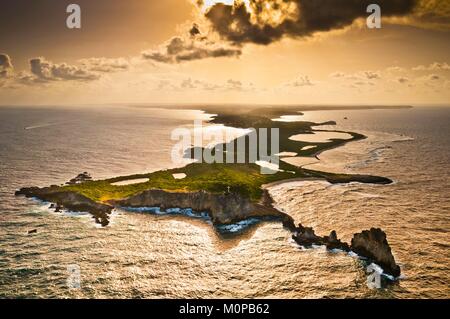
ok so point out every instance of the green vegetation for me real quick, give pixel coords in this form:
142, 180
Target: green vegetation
245, 179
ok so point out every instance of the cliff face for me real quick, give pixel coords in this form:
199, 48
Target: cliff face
71, 201
373, 245
223, 208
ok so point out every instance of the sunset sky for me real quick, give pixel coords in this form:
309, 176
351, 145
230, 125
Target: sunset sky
259, 51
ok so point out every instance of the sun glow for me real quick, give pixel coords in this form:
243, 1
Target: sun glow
209, 3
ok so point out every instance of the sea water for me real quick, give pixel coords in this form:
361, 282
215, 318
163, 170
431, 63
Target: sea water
142, 255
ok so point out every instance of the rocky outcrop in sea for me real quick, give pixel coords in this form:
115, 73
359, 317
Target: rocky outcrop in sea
371, 244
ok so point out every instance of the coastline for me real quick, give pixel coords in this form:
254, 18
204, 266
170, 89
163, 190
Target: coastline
92, 201
228, 193
293, 180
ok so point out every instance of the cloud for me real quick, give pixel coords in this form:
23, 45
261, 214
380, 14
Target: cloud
267, 21
436, 66
198, 85
188, 84
337, 75
234, 85
301, 81
434, 77
180, 50
105, 65
395, 69
432, 14
372, 75
26, 78
45, 71
396, 77
6, 67
357, 79
196, 47
194, 31
362, 83
434, 81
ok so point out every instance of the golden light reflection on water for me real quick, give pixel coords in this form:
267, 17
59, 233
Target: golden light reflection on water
142, 255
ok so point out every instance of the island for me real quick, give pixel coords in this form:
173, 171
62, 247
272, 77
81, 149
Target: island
227, 192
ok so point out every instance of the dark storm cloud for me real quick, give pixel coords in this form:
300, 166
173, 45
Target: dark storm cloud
434, 12
300, 17
180, 49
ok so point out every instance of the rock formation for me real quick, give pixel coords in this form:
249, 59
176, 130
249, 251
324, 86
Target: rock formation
332, 242
222, 208
69, 200
305, 236
373, 245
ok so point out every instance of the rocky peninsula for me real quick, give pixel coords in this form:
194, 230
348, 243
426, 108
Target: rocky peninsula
228, 193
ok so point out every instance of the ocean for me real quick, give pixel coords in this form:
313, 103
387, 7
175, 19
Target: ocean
142, 255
